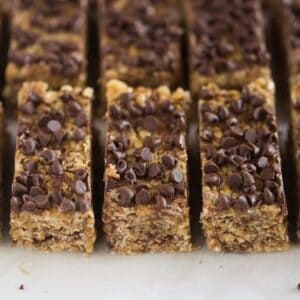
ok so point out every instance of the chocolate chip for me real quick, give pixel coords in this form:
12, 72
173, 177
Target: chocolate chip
29, 206
30, 165
223, 113
79, 187
56, 198
57, 169
81, 173
43, 139
142, 197
160, 202
67, 205
241, 203
78, 134
269, 150
152, 142
169, 161
74, 108
212, 179
206, 135
179, 141
268, 196
15, 204
211, 118
222, 202
180, 187
54, 125
236, 160
36, 191
150, 123
154, 171
27, 108
166, 190
263, 162
34, 98
41, 201
81, 119
60, 135
18, 189
267, 173
228, 142
121, 166
236, 131
211, 168
49, 156
176, 176
248, 179
28, 147
84, 204
145, 154
237, 106
125, 195
250, 135
235, 181
130, 175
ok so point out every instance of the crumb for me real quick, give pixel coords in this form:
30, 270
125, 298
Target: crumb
21, 287
23, 270
298, 286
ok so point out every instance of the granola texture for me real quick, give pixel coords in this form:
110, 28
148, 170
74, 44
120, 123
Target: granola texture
244, 205
47, 43
51, 204
141, 42
146, 198
226, 43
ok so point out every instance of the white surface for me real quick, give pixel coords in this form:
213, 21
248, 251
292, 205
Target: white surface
198, 275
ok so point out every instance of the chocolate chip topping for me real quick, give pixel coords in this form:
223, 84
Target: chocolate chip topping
241, 155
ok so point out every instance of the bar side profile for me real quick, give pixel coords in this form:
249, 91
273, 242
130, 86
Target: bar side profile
226, 43
141, 42
146, 190
51, 204
244, 206
47, 43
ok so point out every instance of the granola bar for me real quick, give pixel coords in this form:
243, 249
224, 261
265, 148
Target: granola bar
226, 42
244, 205
47, 43
141, 42
146, 198
51, 205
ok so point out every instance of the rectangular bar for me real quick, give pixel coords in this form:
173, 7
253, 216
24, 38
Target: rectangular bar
146, 189
47, 43
51, 204
244, 205
226, 43
141, 42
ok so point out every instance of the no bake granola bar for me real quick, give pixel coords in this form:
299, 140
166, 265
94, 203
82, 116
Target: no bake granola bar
141, 42
146, 198
47, 43
51, 205
244, 205
226, 42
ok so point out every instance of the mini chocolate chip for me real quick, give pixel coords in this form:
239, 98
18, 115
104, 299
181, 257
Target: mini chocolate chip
176, 176
236, 160
30, 165
28, 146
121, 166
140, 169
260, 113
36, 191
169, 161
34, 98
267, 173
60, 135
167, 190
125, 195
248, 179
223, 113
237, 106
54, 125
15, 204
35, 180
41, 201
268, 196
150, 123
220, 157
160, 202
222, 202
81, 173
269, 150
78, 134
79, 187
232, 122
130, 175
263, 162
84, 204
179, 141
81, 119
18, 189
57, 169
115, 111
180, 187
29, 206
241, 203
235, 181
49, 156
228, 142
67, 205
27, 108
249, 167
145, 154
74, 108
152, 142
211, 118
43, 139
56, 198
154, 171
206, 135
142, 197
250, 135
211, 168
212, 179
236, 131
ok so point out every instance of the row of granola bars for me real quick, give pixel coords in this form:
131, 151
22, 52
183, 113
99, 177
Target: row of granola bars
146, 198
